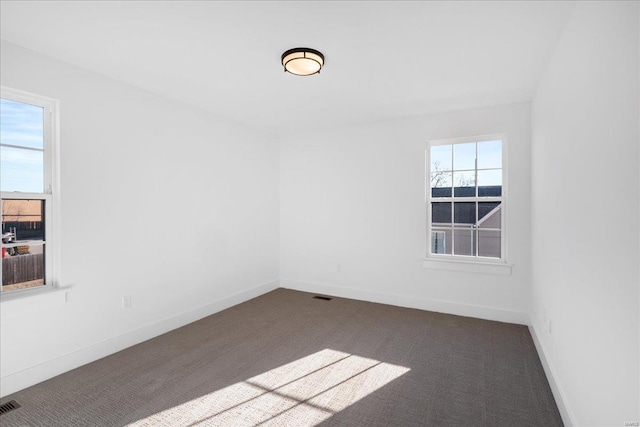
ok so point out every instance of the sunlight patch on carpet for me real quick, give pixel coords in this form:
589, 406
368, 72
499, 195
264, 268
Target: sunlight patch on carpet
304, 392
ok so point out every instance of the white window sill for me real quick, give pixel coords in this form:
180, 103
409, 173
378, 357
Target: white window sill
18, 295
468, 266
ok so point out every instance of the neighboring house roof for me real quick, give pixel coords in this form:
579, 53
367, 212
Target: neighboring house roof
465, 212
483, 191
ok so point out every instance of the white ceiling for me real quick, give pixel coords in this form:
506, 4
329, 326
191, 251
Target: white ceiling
383, 59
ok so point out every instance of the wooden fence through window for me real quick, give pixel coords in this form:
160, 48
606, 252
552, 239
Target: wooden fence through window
22, 268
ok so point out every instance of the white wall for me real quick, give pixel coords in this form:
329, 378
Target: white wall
160, 201
585, 215
353, 219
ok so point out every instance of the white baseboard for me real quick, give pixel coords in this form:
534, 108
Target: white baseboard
49, 369
477, 311
561, 400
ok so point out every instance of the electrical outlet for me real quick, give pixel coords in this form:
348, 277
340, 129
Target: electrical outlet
67, 296
126, 301
339, 268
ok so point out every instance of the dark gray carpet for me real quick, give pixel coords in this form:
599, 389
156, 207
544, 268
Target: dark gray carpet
287, 359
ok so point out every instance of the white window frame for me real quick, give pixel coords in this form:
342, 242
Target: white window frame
51, 195
474, 264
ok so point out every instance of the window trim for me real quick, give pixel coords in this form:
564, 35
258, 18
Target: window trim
51, 194
462, 262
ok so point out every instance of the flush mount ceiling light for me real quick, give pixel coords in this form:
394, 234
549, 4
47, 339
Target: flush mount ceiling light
302, 61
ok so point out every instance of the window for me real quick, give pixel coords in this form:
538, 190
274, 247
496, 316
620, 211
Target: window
466, 199
28, 188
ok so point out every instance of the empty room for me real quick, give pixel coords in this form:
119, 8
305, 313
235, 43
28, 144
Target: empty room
320, 213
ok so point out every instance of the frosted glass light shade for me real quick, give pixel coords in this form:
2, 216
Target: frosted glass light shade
302, 61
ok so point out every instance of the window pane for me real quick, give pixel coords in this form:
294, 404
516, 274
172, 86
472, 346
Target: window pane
464, 156
464, 241
490, 183
489, 243
440, 158
21, 124
489, 154
441, 241
489, 215
21, 170
22, 267
441, 184
22, 220
441, 214
465, 213
465, 184
22, 259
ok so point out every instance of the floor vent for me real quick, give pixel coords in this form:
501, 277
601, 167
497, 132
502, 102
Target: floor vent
323, 298
8, 407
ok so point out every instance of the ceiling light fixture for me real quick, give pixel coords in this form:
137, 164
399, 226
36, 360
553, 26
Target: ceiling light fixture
302, 61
